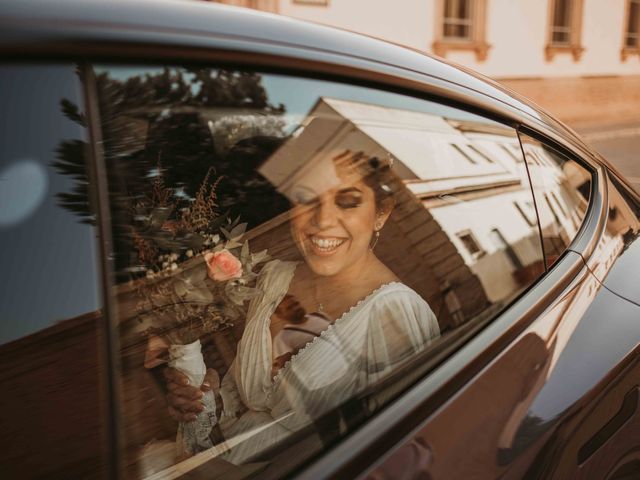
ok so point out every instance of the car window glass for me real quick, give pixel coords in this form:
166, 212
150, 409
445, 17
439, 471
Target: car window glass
50, 308
313, 247
561, 187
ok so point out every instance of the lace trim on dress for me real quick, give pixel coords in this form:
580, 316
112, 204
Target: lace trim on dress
330, 328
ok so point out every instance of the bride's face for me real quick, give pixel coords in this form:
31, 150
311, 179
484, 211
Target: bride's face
333, 228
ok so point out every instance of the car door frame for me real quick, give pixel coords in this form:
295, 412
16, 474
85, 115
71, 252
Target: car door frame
396, 423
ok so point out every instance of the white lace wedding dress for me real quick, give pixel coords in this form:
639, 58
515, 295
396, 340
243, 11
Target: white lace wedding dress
363, 345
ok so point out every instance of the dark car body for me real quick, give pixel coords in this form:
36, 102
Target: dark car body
509, 403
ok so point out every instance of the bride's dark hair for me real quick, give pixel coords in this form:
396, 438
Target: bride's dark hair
376, 174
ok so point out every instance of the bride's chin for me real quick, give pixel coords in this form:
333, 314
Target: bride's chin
321, 267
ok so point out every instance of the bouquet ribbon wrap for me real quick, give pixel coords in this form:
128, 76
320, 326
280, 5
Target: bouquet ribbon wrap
194, 437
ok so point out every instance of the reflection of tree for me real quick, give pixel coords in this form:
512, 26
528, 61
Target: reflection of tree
530, 430
171, 106
628, 238
176, 119
71, 161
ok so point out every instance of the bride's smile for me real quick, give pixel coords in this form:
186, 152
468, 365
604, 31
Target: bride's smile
325, 245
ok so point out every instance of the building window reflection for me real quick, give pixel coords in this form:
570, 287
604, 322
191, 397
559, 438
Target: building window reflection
561, 189
463, 153
501, 243
481, 153
470, 243
527, 211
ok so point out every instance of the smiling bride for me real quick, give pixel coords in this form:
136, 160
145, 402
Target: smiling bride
375, 321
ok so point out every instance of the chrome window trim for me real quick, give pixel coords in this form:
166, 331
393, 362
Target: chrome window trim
593, 225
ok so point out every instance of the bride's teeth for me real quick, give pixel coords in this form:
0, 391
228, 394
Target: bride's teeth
326, 243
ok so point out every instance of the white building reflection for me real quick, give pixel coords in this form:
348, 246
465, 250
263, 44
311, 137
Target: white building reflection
469, 177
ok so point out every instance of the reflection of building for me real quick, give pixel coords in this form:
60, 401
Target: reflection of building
465, 230
482, 201
562, 192
413, 244
578, 58
430, 159
465, 173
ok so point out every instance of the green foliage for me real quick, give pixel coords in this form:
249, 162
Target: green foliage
71, 161
188, 123
71, 111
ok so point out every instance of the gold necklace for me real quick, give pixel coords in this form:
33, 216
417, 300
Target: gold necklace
315, 298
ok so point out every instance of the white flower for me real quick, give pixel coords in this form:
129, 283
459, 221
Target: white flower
189, 253
174, 266
165, 264
215, 238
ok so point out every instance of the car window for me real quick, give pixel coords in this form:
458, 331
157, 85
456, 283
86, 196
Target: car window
561, 188
295, 244
50, 309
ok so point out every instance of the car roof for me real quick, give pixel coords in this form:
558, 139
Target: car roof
32, 26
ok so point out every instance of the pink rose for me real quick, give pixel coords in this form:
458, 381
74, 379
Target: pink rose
223, 265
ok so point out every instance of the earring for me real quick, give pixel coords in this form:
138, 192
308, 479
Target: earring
375, 241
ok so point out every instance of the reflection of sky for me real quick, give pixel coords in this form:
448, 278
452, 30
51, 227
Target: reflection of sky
48, 258
299, 94
607, 332
123, 73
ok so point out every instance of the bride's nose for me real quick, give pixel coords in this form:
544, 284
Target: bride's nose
325, 213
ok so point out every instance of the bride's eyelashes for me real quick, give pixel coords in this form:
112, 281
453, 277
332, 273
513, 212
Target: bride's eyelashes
347, 201
351, 198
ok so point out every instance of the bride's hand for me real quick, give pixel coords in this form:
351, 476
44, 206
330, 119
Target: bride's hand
184, 399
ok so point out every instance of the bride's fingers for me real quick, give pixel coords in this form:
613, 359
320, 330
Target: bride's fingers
191, 393
184, 404
211, 381
180, 416
172, 375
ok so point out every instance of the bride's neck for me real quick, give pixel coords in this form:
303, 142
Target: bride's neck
357, 274
337, 293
